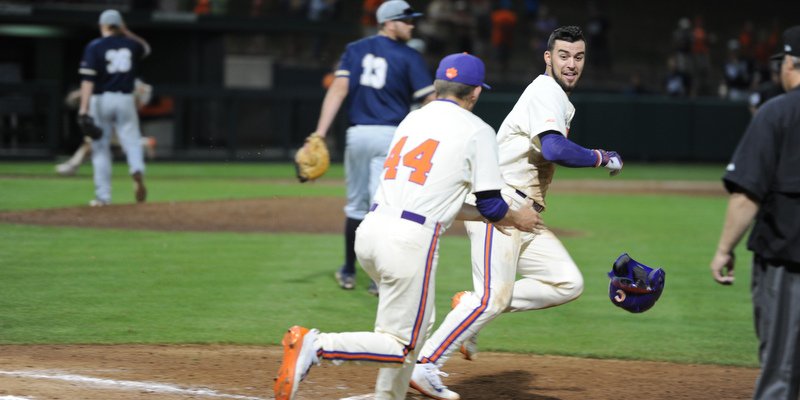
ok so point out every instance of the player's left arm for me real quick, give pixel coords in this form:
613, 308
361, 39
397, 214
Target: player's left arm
87, 87
562, 151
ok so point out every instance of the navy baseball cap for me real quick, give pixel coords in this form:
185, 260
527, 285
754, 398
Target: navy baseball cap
395, 10
110, 17
462, 68
791, 43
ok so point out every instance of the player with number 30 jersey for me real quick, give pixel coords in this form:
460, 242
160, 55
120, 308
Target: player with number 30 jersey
108, 71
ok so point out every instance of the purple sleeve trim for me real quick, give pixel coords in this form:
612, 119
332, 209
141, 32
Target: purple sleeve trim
562, 151
491, 205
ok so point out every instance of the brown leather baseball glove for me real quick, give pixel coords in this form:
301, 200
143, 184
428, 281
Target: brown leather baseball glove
313, 159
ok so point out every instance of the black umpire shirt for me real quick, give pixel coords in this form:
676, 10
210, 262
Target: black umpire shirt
766, 165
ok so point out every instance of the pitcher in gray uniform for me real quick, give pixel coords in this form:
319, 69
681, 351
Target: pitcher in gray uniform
108, 71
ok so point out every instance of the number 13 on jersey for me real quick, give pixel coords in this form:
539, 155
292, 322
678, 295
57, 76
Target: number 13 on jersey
418, 159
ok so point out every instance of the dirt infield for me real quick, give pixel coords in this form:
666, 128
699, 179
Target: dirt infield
170, 372
244, 372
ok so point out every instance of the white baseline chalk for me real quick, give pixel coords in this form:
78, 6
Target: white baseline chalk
119, 384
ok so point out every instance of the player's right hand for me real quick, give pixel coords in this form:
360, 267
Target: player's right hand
612, 161
722, 267
525, 219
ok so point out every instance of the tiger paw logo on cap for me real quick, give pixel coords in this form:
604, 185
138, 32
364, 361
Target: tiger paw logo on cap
451, 73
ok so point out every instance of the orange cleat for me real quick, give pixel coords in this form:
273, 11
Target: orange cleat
299, 354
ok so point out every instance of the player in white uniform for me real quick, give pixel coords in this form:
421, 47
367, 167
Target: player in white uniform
531, 141
439, 154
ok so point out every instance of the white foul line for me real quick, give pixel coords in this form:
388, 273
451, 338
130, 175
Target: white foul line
14, 398
126, 385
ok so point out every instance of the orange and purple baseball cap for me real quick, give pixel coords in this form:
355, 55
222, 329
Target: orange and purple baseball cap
462, 68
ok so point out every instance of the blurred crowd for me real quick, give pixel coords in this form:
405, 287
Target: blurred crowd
743, 64
698, 63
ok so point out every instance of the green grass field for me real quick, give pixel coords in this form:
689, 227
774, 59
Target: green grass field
78, 285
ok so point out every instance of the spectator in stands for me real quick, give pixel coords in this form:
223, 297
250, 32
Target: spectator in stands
321, 11
636, 86
369, 25
504, 21
701, 59
482, 15
545, 24
677, 82
768, 89
747, 40
737, 74
436, 27
682, 44
596, 29
463, 26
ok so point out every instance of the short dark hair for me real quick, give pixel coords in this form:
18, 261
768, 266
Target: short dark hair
455, 89
570, 33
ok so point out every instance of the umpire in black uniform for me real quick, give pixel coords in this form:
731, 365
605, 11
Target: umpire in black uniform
763, 179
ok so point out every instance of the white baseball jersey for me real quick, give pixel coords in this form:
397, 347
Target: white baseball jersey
433, 162
549, 276
438, 155
543, 106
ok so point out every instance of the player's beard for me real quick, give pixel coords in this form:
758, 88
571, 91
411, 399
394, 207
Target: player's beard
564, 86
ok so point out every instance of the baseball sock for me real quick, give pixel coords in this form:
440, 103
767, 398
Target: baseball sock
350, 227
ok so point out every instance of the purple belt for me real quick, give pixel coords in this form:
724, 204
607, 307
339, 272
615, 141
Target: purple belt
407, 215
536, 206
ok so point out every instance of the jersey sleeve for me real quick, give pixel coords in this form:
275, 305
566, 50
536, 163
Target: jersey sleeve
421, 80
546, 110
485, 169
89, 65
754, 161
345, 64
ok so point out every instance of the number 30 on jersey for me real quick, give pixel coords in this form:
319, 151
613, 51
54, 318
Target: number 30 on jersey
418, 159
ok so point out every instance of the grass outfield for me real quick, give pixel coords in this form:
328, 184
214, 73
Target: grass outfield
80, 285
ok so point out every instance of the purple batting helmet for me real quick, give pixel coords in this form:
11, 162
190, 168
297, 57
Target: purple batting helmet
634, 286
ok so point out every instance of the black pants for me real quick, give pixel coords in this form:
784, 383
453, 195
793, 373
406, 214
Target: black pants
776, 306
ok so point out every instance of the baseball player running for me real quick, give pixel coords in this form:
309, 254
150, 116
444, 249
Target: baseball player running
142, 93
438, 155
381, 77
531, 141
108, 71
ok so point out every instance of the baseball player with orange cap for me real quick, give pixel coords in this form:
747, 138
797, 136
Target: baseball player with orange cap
532, 140
438, 155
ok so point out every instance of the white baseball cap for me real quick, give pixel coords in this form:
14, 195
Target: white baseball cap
110, 17
393, 10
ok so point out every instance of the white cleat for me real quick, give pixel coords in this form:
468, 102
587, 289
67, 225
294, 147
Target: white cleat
425, 379
66, 169
98, 203
469, 349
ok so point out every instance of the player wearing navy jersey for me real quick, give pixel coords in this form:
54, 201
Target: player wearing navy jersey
380, 77
108, 71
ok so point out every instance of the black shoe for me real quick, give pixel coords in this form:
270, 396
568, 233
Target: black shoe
373, 288
346, 281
